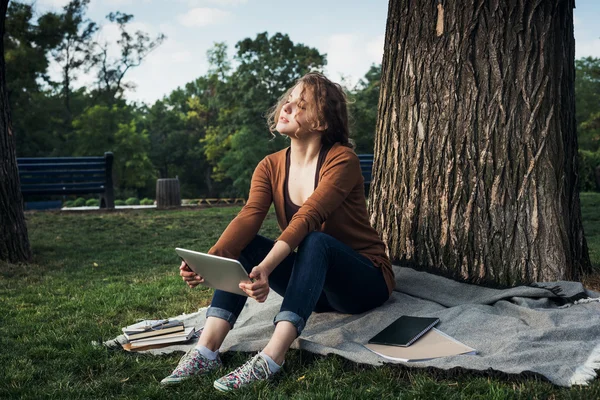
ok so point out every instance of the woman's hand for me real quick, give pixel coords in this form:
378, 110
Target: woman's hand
190, 277
259, 289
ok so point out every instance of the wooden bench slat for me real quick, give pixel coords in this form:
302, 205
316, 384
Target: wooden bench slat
60, 160
66, 180
58, 166
64, 186
85, 172
36, 191
366, 167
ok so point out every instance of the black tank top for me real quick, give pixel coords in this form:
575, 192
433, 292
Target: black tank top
291, 208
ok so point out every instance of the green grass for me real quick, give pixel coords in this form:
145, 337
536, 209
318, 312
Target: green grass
93, 273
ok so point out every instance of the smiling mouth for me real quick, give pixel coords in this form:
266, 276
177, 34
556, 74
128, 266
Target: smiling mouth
282, 119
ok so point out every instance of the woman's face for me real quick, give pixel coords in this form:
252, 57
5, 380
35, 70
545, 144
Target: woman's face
292, 117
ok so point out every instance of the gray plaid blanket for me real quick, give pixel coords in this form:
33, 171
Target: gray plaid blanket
552, 329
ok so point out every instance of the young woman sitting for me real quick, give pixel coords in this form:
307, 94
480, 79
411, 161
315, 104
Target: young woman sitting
340, 263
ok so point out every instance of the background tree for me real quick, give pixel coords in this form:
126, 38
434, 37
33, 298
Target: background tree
14, 242
73, 52
134, 47
27, 44
363, 110
476, 150
587, 96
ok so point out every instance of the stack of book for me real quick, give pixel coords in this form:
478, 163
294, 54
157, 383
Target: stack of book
415, 339
156, 332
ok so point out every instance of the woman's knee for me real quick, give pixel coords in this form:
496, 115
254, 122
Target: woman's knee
315, 240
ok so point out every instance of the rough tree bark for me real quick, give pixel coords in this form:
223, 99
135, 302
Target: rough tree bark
476, 148
14, 243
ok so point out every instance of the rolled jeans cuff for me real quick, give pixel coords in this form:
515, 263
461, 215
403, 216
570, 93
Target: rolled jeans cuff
221, 313
292, 317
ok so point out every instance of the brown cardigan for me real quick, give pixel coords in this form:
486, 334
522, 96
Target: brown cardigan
337, 207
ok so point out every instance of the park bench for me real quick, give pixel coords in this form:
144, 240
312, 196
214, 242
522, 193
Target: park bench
46, 176
366, 167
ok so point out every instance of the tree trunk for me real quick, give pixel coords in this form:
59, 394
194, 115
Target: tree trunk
14, 243
209, 181
475, 169
167, 193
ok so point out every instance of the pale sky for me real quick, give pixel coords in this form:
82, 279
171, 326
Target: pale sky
350, 32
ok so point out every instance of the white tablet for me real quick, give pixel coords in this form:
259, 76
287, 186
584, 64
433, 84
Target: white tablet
218, 272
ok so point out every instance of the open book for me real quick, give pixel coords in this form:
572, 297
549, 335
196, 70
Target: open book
433, 344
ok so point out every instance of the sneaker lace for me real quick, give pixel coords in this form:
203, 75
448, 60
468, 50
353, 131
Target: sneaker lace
251, 368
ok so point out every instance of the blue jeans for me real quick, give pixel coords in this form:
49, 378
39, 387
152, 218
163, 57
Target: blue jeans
323, 275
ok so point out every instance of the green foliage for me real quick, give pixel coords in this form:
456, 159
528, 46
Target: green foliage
132, 201
26, 45
132, 163
92, 203
363, 110
587, 98
79, 202
73, 53
589, 132
194, 201
146, 202
113, 128
120, 202
69, 203
588, 162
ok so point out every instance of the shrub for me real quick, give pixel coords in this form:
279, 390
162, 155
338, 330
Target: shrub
92, 203
588, 162
147, 202
79, 202
125, 193
194, 201
132, 201
119, 202
69, 203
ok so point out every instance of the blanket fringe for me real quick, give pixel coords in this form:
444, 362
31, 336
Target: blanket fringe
587, 372
583, 301
557, 292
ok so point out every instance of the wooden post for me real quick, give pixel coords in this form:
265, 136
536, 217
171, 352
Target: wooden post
167, 193
107, 200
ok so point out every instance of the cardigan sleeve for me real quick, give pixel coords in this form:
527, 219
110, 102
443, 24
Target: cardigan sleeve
340, 175
242, 229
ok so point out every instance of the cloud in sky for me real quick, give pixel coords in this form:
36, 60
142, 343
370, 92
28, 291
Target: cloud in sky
197, 3
201, 16
587, 48
53, 3
350, 55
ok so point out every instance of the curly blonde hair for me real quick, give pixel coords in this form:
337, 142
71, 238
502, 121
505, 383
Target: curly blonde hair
326, 110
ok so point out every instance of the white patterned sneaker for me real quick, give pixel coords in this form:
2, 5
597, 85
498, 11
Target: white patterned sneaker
255, 369
192, 363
